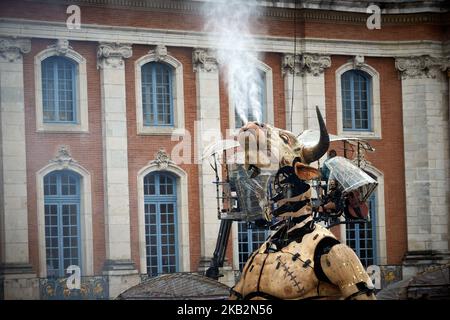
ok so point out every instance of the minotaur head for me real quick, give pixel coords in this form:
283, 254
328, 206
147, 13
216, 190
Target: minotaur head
269, 147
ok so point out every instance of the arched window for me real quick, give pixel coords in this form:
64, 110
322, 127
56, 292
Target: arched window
356, 101
361, 237
62, 221
252, 105
249, 239
161, 234
59, 90
157, 97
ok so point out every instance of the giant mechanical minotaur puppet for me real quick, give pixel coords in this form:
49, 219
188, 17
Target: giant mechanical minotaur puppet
301, 259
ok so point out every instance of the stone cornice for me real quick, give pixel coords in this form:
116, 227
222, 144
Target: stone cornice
347, 11
12, 49
193, 39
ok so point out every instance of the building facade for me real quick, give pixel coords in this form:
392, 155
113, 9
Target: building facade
92, 117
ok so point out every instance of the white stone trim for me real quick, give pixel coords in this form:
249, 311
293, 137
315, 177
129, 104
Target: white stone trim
177, 92
380, 219
195, 39
182, 211
235, 244
268, 107
375, 133
87, 253
82, 124
14, 241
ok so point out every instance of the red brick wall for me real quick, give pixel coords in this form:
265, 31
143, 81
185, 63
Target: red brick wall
389, 156
164, 19
86, 148
142, 149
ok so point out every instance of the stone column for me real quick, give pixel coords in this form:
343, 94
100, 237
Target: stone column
426, 145
208, 131
118, 265
293, 83
16, 275
313, 66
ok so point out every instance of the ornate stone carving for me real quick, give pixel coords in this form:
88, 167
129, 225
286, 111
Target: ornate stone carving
112, 54
160, 52
360, 159
61, 46
292, 64
162, 159
420, 66
358, 61
315, 63
204, 60
63, 157
12, 49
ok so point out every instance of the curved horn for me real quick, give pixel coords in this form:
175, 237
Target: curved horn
311, 154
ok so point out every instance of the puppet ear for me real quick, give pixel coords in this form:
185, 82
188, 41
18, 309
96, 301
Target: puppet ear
305, 172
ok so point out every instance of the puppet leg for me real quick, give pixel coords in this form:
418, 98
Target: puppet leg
344, 269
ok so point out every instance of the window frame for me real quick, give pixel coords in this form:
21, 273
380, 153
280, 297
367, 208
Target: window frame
182, 213
56, 100
59, 200
268, 108
157, 199
374, 97
250, 243
86, 214
356, 228
177, 94
152, 66
368, 80
81, 101
263, 100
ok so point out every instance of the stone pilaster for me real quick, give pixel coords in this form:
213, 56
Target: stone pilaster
305, 89
208, 131
292, 70
426, 139
314, 87
121, 270
16, 276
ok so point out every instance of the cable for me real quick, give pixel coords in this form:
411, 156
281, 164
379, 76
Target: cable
295, 56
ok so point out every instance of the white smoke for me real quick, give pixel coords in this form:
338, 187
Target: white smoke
228, 25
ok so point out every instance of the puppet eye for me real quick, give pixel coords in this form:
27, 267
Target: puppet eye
284, 137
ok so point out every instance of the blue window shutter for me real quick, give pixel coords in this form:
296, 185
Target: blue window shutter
59, 94
249, 239
161, 223
361, 237
356, 88
157, 94
62, 222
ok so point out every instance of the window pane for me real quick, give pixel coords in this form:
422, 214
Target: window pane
157, 97
160, 228
361, 237
355, 103
61, 221
248, 241
58, 83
